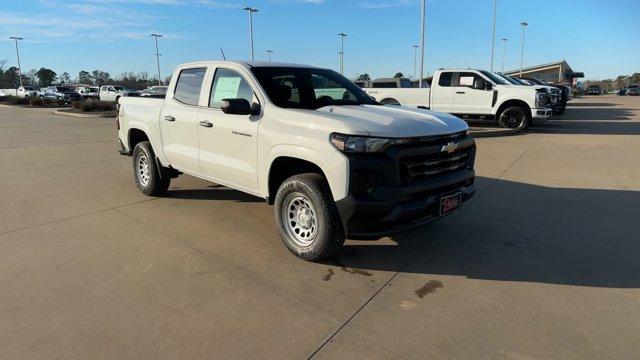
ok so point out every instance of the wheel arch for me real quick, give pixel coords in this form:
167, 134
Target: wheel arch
510, 103
283, 167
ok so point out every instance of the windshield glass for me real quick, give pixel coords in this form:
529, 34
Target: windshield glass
64, 89
495, 78
508, 79
308, 88
118, 88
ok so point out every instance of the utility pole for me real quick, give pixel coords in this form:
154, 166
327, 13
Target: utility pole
270, 52
342, 36
504, 50
493, 32
251, 11
156, 36
415, 59
15, 38
423, 22
524, 25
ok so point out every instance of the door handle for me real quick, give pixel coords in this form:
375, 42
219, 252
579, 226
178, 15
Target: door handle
169, 118
206, 124
460, 92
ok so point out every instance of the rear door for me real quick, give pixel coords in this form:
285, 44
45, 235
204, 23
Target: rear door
442, 92
470, 96
179, 120
228, 143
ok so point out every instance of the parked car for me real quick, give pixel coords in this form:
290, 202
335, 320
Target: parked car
26, 92
154, 91
594, 90
88, 92
362, 83
558, 92
633, 90
65, 93
622, 92
114, 93
475, 94
45, 93
333, 165
391, 83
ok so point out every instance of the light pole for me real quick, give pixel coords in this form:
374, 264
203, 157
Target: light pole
504, 50
251, 11
156, 36
423, 22
524, 25
342, 36
415, 59
15, 38
493, 33
270, 52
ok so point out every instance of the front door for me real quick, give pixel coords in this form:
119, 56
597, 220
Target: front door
179, 121
470, 96
228, 143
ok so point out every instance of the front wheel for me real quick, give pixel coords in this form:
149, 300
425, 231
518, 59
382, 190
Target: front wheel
390, 101
307, 218
514, 117
146, 171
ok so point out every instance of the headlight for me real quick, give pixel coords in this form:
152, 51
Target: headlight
360, 144
541, 99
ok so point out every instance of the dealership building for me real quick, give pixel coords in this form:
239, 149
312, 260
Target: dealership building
558, 72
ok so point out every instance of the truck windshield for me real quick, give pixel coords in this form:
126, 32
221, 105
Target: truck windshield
309, 88
495, 78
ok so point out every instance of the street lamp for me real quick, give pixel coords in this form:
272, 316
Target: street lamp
423, 22
415, 59
251, 11
524, 25
156, 36
342, 36
504, 50
270, 52
15, 38
493, 32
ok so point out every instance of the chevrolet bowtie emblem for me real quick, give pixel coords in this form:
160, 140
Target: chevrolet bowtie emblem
449, 148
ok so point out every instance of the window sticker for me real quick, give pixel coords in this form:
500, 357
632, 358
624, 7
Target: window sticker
466, 80
226, 88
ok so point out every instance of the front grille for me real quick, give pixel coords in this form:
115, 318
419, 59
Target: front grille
424, 166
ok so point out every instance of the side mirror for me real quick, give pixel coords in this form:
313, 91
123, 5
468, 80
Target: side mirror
239, 107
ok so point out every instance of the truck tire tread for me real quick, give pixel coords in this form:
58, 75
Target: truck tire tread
158, 184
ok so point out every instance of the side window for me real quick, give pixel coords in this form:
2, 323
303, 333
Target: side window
188, 85
471, 80
228, 84
385, 85
445, 79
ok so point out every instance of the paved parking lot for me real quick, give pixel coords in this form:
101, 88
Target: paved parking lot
543, 263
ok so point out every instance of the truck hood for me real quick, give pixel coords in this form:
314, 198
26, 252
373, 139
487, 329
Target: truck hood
397, 121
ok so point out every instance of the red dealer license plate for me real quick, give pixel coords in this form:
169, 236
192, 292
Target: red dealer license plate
450, 203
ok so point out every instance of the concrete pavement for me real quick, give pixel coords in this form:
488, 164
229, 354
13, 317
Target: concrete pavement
543, 263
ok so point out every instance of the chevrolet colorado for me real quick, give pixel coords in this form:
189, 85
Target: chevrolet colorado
333, 161
473, 94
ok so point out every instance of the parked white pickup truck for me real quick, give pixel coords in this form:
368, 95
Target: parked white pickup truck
473, 94
334, 162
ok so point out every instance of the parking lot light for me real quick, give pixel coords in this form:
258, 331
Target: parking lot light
15, 38
270, 52
342, 36
423, 21
156, 36
251, 11
524, 24
493, 33
504, 50
415, 59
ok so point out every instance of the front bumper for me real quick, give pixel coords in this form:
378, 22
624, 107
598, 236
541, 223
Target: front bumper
382, 201
540, 115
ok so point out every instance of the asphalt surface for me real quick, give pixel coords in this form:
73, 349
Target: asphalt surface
543, 263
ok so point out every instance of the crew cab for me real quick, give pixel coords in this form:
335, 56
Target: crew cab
334, 162
65, 93
472, 93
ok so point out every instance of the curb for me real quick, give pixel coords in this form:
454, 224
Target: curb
76, 115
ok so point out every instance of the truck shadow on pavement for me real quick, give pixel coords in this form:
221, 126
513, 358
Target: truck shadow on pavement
595, 121
522, 233
213, 193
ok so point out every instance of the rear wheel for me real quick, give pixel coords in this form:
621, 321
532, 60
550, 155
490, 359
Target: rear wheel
146, 171
307, 218
514, 117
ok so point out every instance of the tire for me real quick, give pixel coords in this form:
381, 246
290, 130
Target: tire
307, 218
390, 101
146, 171
514, 117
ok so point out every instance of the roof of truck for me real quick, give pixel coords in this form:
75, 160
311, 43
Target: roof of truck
250, 64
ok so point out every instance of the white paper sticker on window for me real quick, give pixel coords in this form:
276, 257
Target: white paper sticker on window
226, 88
466, 81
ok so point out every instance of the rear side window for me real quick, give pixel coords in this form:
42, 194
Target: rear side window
188, 86
445, 79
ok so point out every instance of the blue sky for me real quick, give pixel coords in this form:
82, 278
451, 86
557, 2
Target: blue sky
598, 37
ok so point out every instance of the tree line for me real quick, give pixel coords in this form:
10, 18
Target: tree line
43, 77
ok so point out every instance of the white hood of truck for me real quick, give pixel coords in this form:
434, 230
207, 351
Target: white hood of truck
397, 121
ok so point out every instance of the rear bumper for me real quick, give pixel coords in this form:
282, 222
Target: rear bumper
383, 200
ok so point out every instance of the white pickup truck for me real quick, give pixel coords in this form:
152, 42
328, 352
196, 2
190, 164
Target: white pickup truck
473, 94
333, 161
